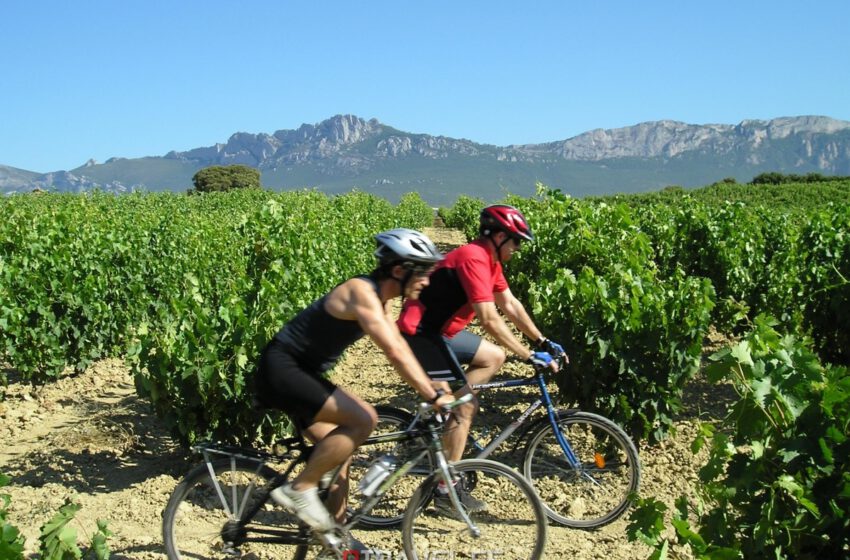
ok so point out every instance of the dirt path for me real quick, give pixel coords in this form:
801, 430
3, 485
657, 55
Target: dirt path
91, 439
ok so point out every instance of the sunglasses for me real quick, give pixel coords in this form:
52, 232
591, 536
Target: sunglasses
421, 270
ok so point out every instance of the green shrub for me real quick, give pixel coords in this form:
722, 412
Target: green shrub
777, 483
220, 178
464, 215
634, 337
58, 539
824, 250
232, 284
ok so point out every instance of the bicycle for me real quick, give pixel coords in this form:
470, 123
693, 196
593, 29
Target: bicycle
583, 466
222, 507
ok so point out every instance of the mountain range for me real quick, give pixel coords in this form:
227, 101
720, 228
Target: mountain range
346, 152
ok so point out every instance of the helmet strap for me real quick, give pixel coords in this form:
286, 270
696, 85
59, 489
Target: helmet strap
498, 246
408, 274
403, 281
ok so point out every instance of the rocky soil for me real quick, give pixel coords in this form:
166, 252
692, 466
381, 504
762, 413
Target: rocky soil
91, 439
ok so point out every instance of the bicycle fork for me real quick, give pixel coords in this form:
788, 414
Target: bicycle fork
562, 441
449, 476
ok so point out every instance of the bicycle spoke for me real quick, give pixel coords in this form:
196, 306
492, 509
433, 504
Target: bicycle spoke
598, 490
511, 525
199, 521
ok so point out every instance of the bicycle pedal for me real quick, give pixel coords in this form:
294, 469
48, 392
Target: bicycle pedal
333, 541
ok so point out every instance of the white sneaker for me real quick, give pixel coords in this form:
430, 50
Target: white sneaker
306, 505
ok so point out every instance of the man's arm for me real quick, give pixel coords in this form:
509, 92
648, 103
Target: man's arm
372, 317
492, 322
515, 311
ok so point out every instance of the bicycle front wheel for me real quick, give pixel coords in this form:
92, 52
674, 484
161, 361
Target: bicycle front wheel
596, 491
512, 523
200, 520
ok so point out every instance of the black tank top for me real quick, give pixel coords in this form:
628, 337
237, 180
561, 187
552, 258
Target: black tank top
316, 338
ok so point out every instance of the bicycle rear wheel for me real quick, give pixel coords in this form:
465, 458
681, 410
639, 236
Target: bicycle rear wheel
199, 520
513, 525
598, 491
389, 511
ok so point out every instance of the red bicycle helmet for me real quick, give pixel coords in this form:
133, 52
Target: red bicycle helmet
502, 217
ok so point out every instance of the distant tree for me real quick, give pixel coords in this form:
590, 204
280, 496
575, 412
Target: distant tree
775, 178
768, 178
219, 178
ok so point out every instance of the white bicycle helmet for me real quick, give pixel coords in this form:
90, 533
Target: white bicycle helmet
406, 247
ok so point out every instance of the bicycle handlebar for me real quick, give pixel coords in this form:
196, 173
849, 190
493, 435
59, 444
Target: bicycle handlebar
426, 410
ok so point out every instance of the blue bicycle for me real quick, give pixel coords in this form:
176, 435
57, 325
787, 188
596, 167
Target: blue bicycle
584, 467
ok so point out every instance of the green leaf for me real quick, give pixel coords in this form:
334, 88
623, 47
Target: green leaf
99, 546
788, 483
811, 506
58, 540
741, 352
241, 358
683, 529
761, 389
11, 549
660, 552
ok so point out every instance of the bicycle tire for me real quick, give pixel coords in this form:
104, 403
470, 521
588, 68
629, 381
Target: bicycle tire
194, 519
389, 511
512, 526
595, 494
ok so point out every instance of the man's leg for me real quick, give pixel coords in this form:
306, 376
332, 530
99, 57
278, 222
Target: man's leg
486, 361
338, 494
342, 424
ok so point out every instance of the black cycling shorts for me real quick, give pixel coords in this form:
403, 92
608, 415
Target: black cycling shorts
441, 357
283, 384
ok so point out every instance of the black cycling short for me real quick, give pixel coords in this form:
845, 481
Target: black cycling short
441, 357
283, 384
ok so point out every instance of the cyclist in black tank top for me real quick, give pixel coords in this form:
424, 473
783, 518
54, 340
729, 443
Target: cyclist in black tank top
291, 370
318, 338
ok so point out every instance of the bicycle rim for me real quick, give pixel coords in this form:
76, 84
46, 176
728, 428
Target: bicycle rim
513, 525
201, 506
596, 493
389, 511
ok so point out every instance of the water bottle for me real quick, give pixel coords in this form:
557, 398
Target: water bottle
377, 473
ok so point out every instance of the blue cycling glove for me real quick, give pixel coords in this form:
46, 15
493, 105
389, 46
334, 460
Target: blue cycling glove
550, 346
540, 359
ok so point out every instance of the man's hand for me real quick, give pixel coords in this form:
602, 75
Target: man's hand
553, 348
542, 360
442, 399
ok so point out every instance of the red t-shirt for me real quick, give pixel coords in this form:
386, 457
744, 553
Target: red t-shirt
467, 275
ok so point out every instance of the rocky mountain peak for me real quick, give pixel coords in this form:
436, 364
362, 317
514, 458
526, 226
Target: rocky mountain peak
667, 138
783, 127
345, 151
340, 130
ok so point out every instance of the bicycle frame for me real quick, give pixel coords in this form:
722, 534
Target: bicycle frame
236, 531
544, 399
433, 445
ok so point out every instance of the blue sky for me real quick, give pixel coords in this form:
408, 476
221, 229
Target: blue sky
97, 79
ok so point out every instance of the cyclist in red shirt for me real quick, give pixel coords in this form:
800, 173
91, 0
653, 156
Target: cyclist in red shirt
469, 283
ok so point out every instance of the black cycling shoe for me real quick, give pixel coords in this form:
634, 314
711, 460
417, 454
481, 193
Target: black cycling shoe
443, 502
